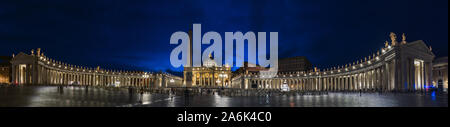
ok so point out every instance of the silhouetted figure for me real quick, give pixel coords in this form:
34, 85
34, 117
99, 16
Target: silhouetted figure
86, 89
186, 97
141, 95
61, 90
130, 93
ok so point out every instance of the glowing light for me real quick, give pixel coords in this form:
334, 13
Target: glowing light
417, 62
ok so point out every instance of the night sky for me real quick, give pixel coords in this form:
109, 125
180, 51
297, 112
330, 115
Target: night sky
134, 34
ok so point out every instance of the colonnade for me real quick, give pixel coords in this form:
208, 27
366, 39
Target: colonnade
401, 67
55, 76
366, 80
38, 69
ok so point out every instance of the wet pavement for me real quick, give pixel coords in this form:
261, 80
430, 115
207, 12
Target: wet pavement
52, 96
70, 96
330, 100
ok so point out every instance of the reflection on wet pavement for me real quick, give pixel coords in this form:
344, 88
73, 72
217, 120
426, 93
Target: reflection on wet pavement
331, 100
51, 96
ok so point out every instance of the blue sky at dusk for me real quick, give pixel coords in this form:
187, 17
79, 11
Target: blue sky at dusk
134, 34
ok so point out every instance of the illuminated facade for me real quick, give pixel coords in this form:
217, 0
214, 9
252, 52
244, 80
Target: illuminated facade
209, 75
4, 74
36, 68
5, 70
399, 66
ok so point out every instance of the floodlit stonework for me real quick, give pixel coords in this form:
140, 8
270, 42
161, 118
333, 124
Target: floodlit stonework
4, 74
36, 68
396, 67
5, 70
399, 66
208, 76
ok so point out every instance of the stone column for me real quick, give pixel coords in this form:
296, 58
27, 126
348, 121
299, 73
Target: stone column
347, 82
422, 75
304, 84
386, 77
429, 74
341, 84
355, 82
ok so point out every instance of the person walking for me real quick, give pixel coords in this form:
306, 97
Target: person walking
141, 92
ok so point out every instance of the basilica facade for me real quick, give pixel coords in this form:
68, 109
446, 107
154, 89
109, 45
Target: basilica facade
209, 75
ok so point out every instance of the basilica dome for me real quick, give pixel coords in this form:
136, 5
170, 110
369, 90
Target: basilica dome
209, 62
